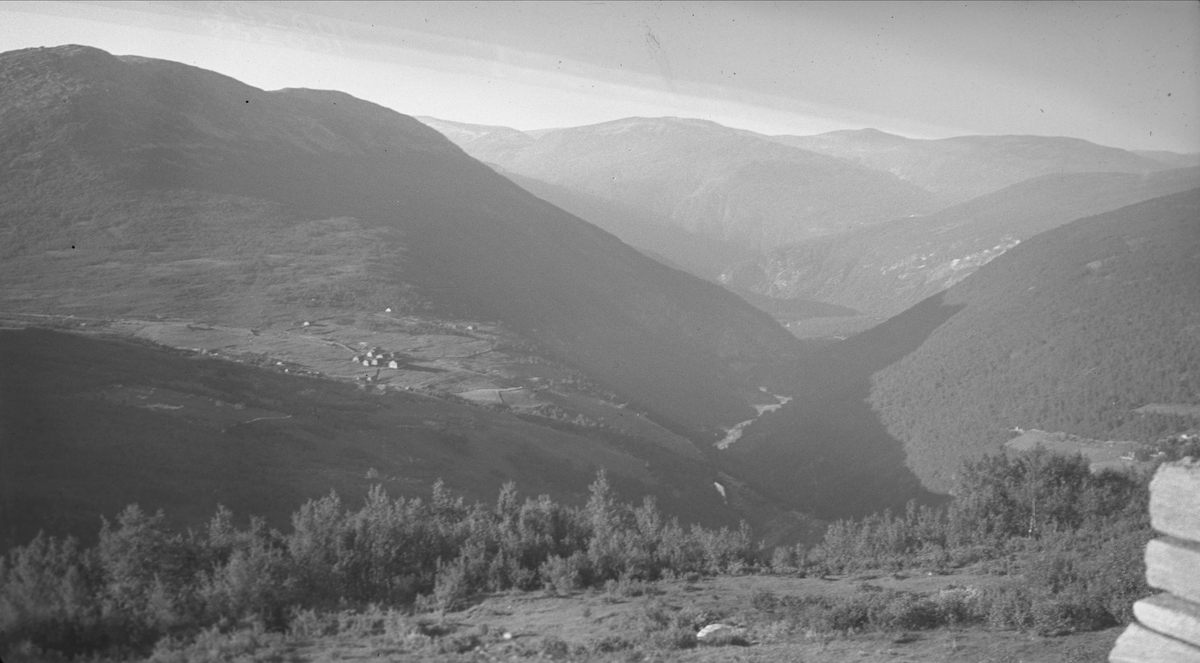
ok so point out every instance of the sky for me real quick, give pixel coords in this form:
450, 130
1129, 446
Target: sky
1123, 74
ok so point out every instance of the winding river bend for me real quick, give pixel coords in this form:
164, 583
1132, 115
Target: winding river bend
734, 434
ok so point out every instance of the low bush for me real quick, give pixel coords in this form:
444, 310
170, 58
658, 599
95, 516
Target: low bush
1071, 540
610, 644
212, 645
1000, 500
673, 637
873, 608
554, 648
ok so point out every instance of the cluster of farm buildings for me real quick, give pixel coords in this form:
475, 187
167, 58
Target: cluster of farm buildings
381, 358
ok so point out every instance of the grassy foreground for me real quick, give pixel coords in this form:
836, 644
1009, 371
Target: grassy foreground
638, 622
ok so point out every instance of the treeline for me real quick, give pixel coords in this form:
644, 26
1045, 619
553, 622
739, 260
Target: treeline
142, 582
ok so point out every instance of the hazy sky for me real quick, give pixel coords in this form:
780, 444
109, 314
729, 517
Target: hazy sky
1116, 73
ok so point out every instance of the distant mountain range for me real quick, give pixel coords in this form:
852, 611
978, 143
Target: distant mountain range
707, 179
958, 169
1172, 159
718, 201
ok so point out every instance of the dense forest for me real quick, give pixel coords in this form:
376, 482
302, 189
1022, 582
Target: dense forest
1070, 331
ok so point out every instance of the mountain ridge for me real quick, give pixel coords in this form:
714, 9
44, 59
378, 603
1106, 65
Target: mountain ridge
727, 184
960, 168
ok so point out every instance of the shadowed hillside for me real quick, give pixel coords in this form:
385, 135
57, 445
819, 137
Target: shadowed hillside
826, 451
1070, 331
146, 187
91, 424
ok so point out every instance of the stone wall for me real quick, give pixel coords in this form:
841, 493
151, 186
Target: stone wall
1167, 629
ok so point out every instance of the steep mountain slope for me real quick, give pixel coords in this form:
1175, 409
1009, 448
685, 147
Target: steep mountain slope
1070, 331
693, 253
887, 268
708, 179
961, 168
144, 187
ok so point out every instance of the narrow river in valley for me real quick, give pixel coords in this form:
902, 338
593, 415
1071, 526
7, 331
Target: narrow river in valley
734, 434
